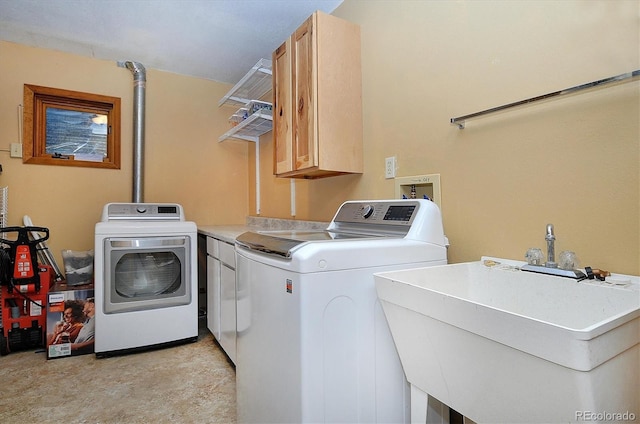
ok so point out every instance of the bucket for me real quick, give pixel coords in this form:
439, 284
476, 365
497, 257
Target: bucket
78, 267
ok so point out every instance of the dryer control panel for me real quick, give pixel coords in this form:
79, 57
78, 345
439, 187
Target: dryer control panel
143, 211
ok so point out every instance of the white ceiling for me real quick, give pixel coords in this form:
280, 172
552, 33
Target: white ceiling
214, 39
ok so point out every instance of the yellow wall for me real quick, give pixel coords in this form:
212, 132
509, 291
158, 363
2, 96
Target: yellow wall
573, 162
184, 162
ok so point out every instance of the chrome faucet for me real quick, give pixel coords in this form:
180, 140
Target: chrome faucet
551, 266
551, 251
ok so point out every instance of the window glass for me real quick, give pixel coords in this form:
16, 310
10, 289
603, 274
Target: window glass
71, 132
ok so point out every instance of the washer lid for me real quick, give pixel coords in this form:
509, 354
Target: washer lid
283, 242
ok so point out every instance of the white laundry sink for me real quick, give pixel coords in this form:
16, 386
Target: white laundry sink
501, 345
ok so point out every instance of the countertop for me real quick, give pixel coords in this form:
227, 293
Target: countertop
229, 233
226, 233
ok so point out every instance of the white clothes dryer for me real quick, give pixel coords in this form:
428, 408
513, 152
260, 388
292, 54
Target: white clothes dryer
145, 277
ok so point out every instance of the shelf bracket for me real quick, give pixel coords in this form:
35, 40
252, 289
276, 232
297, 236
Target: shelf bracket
460, 121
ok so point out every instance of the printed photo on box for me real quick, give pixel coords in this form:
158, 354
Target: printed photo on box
70, 323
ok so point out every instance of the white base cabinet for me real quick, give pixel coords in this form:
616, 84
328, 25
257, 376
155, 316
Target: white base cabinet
221, 294
213, 296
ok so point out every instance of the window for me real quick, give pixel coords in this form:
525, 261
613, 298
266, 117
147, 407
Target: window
71, 128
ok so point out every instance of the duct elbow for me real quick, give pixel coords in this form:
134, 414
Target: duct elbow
138, 70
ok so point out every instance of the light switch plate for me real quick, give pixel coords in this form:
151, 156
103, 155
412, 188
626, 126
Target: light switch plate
16, 150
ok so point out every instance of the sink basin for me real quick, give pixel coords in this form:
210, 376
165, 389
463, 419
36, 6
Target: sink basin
501, 345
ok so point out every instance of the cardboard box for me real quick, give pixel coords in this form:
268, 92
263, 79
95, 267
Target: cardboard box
70, 320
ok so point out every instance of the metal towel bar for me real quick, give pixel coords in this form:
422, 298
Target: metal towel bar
460, 121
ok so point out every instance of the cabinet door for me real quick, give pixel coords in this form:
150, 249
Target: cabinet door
228, 311
282, 111
213, 296
304, 92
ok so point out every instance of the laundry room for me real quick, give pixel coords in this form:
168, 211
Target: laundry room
517, 121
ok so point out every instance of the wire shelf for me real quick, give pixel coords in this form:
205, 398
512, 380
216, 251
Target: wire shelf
254, 85
251, 128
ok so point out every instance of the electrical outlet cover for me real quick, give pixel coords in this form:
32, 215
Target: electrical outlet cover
390, 167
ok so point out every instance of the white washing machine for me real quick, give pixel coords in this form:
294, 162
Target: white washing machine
313, 344
145, 277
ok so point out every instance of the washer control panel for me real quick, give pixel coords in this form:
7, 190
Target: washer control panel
380, 213
143, 211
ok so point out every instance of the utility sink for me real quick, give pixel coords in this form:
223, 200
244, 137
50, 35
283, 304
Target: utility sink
501, 345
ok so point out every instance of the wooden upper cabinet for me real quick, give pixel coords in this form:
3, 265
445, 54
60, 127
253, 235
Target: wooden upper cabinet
282, 111
317, 111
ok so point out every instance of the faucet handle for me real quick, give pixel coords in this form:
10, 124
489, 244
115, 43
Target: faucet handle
534, 256
568, 260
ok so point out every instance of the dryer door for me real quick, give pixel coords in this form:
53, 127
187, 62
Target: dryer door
146, 273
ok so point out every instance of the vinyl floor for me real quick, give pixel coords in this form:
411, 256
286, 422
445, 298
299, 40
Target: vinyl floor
189, 383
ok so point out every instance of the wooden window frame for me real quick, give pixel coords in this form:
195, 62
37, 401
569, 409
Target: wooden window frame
36, 101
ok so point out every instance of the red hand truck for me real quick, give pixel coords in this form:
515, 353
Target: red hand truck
24, 286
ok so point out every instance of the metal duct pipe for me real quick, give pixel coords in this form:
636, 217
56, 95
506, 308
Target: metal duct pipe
139, 87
